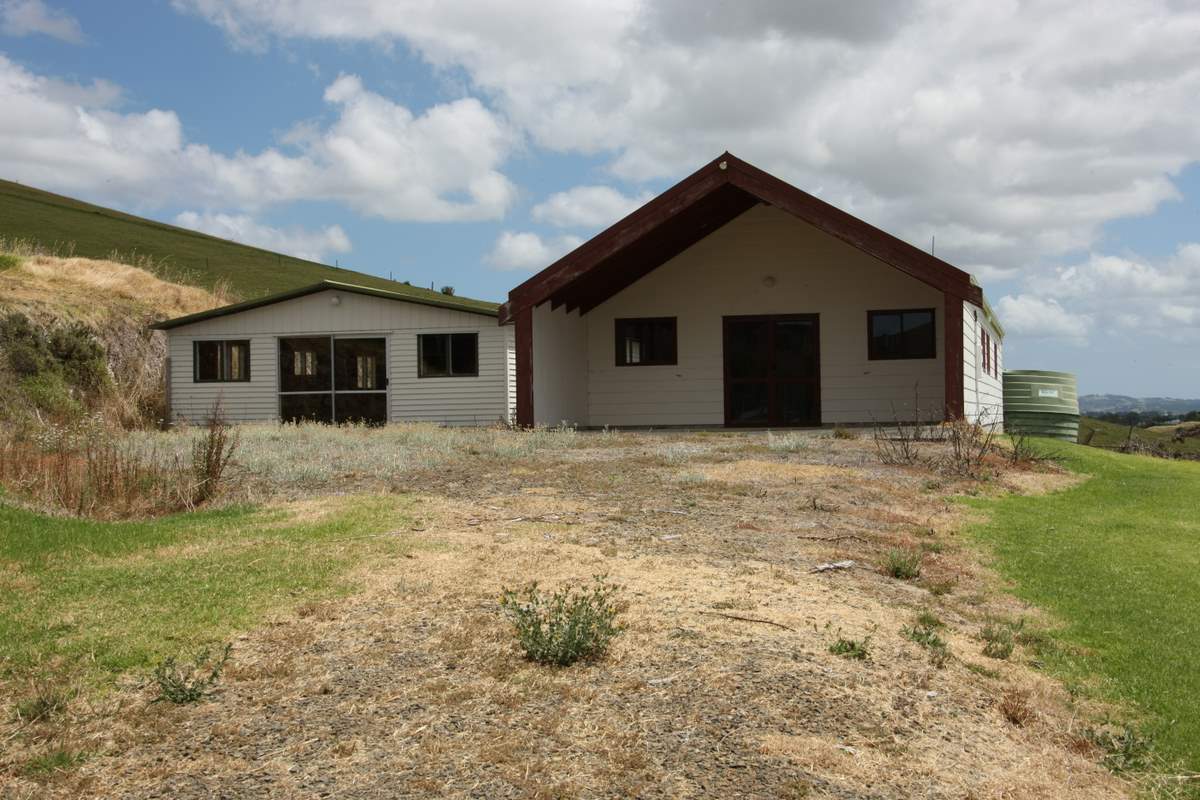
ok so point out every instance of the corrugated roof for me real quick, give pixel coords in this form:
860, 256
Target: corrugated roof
409, 294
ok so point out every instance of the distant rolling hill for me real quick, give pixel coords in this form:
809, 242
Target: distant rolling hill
92, 231
1119, 403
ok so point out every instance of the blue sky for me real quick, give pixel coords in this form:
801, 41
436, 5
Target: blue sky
1053, 155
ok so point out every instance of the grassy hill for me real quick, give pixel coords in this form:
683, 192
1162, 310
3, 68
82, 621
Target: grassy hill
1099, 433
72, 227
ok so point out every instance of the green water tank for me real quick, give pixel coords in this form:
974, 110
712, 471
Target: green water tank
1041, 403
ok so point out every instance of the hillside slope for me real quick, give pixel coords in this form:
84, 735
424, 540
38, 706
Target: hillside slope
77, 228
1111, 435
94, 301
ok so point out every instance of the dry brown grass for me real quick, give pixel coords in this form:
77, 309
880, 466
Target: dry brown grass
414, 686
44, 285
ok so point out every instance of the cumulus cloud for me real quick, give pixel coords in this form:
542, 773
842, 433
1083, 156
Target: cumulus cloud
1010, 131
376, 157
29, 17
587, 207
529, 251
1041, 317
314, 245
1116, 293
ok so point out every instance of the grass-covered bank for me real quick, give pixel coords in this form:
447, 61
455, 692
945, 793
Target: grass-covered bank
1117, 559
82, 601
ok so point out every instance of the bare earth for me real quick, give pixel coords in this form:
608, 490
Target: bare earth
413, 687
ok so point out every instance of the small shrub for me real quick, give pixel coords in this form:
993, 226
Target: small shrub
211, 454
1014, 705
904, 565
927, 637
844, 433
854, 649
192, 682
8, 261
1025, 453
567, 626
998, 641
970, 444
1124, 748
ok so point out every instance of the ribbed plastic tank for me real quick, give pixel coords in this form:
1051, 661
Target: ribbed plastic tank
1041, 403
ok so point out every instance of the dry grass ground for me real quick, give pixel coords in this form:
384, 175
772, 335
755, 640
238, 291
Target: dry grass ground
413, 686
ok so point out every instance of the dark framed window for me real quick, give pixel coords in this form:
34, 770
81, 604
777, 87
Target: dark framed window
987, 352
447, 355
646, 342
905, 333
221, 361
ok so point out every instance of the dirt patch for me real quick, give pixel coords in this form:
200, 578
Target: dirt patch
413, 686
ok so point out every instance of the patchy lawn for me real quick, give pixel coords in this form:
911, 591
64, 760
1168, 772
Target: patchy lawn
729, 680
85, 601
1117, 559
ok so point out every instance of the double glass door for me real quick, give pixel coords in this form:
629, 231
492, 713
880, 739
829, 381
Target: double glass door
333, 379
772, 370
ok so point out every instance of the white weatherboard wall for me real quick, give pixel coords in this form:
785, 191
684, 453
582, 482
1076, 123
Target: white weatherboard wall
983, 394
723, 275
478, 400
559, 367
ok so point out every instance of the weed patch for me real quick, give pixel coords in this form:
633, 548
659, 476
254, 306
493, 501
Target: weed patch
56, 760
998, 641
853, 649
567, 626
927, 636
190, 683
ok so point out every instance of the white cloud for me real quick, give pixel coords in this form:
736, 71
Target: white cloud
1040, 317
529, 251
1116, 294
314, 245
587, 207
376, 157
29, 17
1051, 119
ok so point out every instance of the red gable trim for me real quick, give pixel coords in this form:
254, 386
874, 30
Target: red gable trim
693, 208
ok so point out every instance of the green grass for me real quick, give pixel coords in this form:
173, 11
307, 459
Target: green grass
1117, 560
1111, 434
190, 257
89, 600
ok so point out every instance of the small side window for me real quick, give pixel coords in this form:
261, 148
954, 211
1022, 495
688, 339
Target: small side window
901, 334
447, 355
646, 342
221, 361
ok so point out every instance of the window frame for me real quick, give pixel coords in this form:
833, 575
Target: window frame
223, 368
450, 373
619, 339
986, 340
874, 355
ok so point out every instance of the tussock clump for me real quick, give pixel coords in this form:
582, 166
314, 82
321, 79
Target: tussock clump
1014, 705
788, 442
567, 626
903, 565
